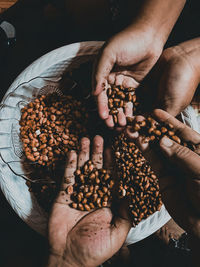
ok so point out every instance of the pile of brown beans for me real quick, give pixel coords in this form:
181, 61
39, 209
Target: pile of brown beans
51, 126
137, 181
153, 131
118, 97
92, 188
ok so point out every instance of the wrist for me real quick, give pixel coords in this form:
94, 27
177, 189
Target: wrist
160, 16
151, 39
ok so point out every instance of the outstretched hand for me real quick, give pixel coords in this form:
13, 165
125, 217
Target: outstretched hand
178, 170
82, 238
124, 60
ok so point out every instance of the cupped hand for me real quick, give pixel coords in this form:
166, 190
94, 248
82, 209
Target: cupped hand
178, 170
124, 60
175, 78
82, 238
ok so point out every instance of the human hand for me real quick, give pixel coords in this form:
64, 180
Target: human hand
176, 76
82, 238
178, 170
124, 60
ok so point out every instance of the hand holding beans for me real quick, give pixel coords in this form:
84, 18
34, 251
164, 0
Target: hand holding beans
124, 61
83, 238
178, 170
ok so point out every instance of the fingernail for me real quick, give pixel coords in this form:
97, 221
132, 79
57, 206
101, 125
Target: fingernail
165, 141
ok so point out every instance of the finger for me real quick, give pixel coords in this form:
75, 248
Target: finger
173, 194
111, 78
84, 153
189, 163
121, 118
119, 79
128, 110
109, 121
68, 180
70, 168
102, 70
182, 130
97, 152
181, 156
102, 101
128, 82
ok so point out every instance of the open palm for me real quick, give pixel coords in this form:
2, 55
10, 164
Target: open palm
82, 238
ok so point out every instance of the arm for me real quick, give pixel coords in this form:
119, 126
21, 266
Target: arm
159, 15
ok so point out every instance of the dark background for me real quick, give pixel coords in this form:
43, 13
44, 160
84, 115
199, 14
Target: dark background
19, 245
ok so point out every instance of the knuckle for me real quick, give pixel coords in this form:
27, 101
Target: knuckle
181, 152
169, 54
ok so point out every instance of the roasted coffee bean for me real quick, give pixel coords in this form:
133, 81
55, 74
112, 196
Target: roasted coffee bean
91, 192
104, 204
70, 189
118, 97
152, 131
87, 207
135, 179
87, 195
80, 207
51, 128
74, 205
91, 205
176, 139
43, 125
115, 119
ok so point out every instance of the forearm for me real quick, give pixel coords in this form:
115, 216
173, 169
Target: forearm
159, 15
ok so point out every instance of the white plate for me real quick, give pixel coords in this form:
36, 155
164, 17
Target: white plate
46, 72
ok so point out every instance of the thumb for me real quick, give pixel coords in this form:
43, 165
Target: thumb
181, 156
189, 162
101, 71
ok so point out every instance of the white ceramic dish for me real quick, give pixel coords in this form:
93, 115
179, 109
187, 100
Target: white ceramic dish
46, 73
